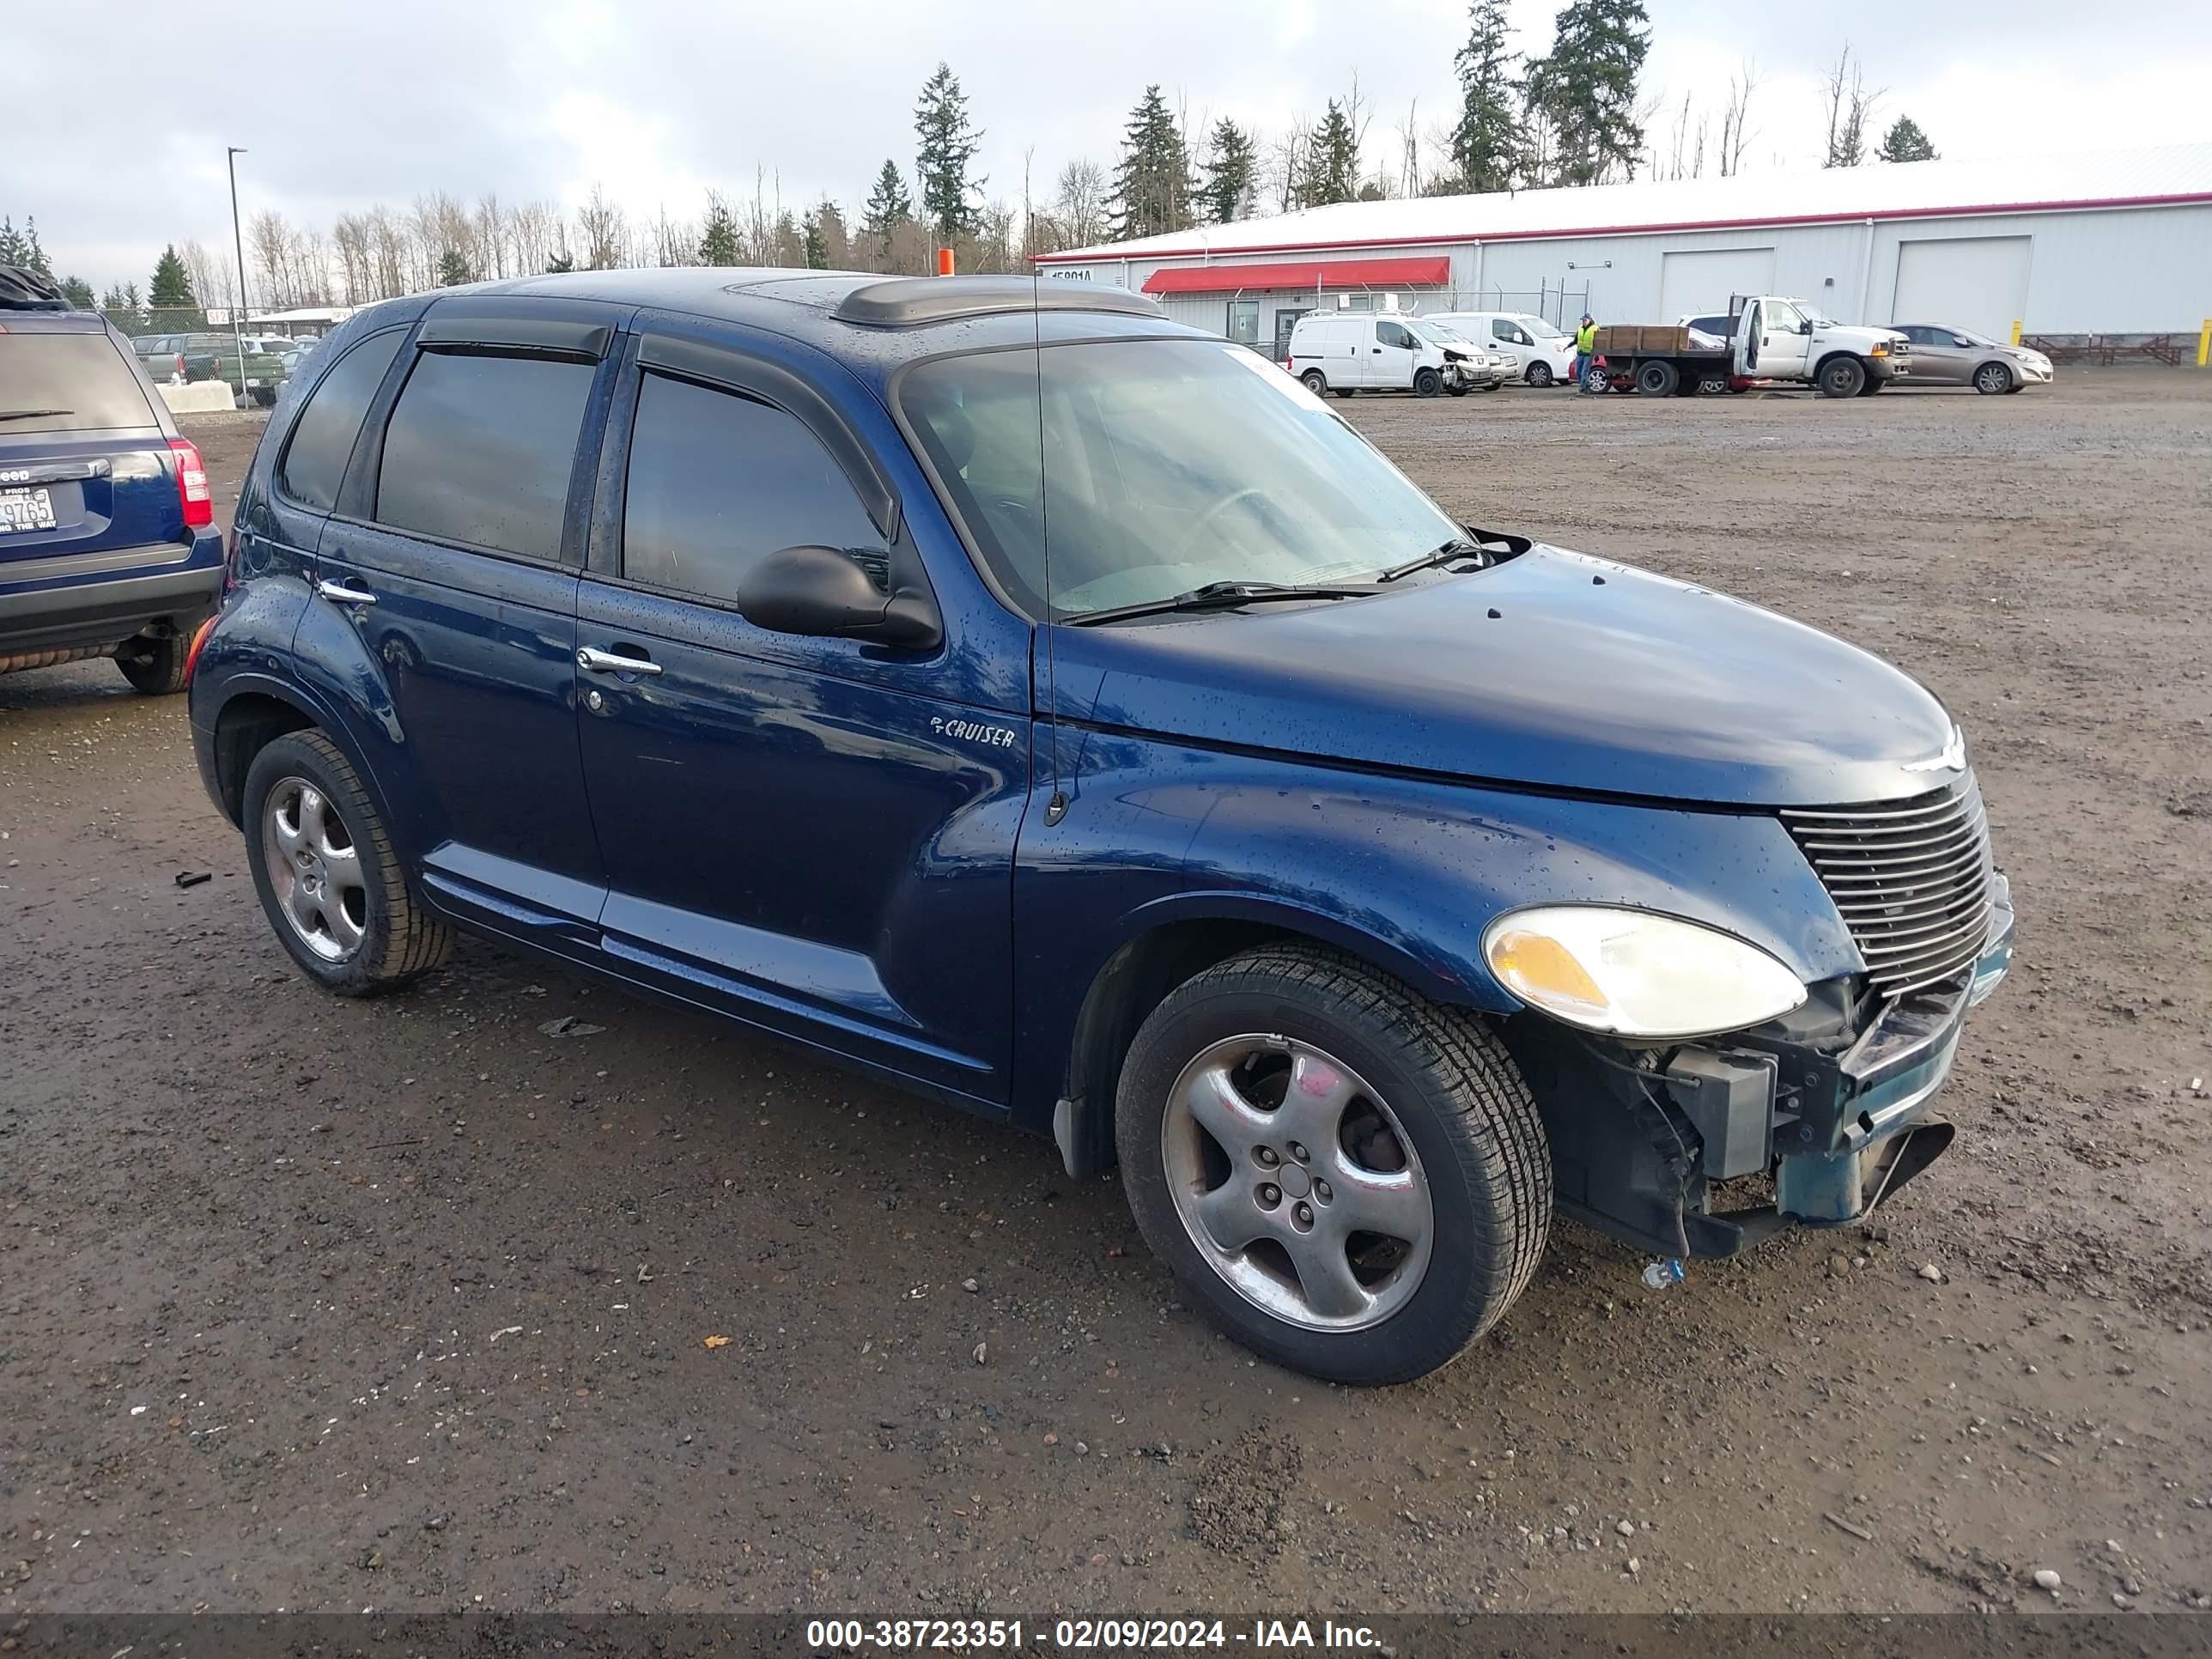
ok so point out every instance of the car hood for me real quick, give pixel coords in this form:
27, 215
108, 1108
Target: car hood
1554, 671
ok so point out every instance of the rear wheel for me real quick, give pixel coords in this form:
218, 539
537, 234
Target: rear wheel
156, 668
1991, 379
327, 873
1656, 379
1539, 374
1352, 1179
1316, 382
1841, 377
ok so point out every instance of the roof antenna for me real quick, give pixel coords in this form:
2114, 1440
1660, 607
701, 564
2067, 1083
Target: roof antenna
1055, 808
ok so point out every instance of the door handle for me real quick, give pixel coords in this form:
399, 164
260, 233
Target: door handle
342, 594
613, 662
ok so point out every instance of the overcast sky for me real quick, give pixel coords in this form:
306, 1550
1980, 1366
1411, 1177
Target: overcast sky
117, 129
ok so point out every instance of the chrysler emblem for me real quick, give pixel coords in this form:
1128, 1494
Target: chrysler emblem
1952, 758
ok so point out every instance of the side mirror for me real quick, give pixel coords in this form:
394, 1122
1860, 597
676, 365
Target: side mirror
1805, 327
820, 592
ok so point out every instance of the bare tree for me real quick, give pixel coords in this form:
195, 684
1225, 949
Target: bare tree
1850, 108
1409, 152
489, 249
213, 282
605, 230
270, 235
1079, 203
535, 233
675, 241
388, 251
1736, 121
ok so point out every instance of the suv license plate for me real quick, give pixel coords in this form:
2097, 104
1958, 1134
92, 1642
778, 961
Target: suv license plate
25, 510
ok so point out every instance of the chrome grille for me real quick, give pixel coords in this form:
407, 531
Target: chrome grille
1912, 880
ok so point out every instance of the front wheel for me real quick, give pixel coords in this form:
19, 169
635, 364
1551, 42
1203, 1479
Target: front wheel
1352, 1180
1427, 383
1597, 379
1992, 380
1841, 377
1539, 374
328, 875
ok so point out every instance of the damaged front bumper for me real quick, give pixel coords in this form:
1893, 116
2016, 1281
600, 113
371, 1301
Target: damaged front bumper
1839, 1127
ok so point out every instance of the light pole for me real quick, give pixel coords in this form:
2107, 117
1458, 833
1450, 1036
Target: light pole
238, 241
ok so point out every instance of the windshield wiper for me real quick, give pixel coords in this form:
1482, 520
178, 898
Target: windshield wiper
1459, 547
1224, 596
29, 414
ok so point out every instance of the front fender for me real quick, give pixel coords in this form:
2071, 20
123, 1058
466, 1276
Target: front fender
1405, 872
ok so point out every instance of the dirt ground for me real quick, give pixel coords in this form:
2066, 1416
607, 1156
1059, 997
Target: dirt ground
307, 1304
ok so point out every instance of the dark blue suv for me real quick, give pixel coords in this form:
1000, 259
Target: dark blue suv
1036, 704
107, 538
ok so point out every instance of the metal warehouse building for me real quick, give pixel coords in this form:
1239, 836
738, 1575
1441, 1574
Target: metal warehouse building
2116, 243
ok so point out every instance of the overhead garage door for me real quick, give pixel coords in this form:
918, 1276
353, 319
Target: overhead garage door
1967, 281
1700, 280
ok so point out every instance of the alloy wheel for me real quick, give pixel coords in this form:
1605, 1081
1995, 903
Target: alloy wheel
314, 869
1298, 1183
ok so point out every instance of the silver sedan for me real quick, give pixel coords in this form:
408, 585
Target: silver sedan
1943, 355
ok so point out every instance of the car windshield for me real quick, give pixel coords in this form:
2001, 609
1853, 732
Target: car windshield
1435, 334
1164, 465
1540, 329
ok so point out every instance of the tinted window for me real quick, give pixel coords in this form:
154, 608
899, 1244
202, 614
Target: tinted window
67, 383
717, 480
479, 450
315, 458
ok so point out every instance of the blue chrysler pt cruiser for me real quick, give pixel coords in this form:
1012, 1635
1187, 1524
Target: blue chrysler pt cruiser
995, 687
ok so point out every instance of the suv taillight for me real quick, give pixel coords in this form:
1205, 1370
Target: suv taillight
192, 491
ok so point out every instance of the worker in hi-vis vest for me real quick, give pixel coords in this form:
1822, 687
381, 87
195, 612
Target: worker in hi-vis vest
1585, 349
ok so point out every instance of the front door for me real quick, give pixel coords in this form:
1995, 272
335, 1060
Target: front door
1395, 357
802, 832
1783, 333
458, 568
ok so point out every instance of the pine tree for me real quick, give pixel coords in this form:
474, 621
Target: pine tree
718, 241
816, 248
77, 292
453, 268
1486, 141
560, 264
947, 146
21, 248
888, 205
1332, 172
1230, 162
1585, 90
170, 288
1152, 186
1905, 142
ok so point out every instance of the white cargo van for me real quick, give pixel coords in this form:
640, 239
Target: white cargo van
1349, 352
1544, 352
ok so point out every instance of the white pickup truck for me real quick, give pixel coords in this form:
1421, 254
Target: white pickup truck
1762, 337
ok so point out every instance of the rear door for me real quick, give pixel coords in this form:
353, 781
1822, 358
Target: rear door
453, 556
88, 481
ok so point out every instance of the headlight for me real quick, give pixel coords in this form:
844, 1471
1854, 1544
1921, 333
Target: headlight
1634, 973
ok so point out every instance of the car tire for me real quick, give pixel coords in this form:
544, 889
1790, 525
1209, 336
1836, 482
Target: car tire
1656, 379
1538, 374
263, 397
1872, 386
1463, 389
1597, 379
156, 668
1841, 377
1427, 383
1993, 380
1316, 381
327, 874
1419, 1120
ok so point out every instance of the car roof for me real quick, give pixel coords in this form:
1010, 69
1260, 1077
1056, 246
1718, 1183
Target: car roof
870, 322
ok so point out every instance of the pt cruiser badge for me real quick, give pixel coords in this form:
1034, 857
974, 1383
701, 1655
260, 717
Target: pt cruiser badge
993, 736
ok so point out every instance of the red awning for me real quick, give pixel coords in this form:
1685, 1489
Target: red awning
1332, 274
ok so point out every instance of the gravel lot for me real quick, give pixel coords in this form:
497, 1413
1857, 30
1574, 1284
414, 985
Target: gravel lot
306, 1303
